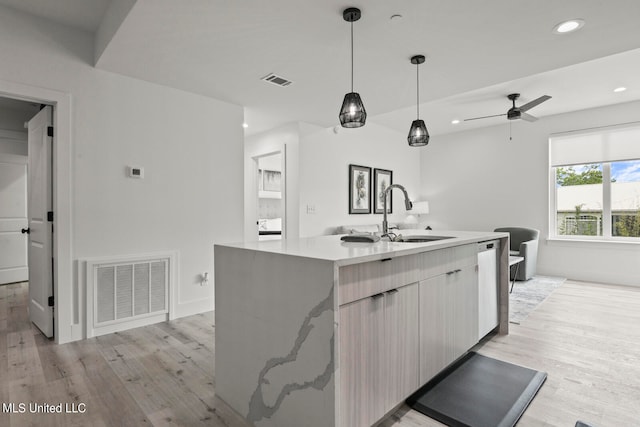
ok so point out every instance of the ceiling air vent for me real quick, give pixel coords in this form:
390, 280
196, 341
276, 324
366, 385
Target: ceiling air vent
276, 80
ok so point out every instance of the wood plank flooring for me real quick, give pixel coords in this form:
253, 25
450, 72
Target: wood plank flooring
585, 336
159, 375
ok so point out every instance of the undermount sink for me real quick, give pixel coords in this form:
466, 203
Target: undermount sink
420, 239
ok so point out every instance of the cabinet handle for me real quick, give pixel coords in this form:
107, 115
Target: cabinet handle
376, 296
457, 270
385, 259
449, 273
392, 291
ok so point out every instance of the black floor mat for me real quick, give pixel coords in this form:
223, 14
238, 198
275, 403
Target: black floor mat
478, 391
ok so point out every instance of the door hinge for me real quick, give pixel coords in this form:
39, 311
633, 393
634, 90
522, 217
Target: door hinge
50, 302
50, 216
49, 130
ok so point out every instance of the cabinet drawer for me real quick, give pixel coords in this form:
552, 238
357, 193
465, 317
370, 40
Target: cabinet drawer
359, 281
434, 263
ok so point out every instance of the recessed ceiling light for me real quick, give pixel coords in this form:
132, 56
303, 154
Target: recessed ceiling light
244, 125
568, 26
455, 121
620, 89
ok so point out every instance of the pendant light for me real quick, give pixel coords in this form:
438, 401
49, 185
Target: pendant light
352, 114
418, 134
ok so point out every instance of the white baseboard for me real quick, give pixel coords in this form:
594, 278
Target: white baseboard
607, 277
193, 307
135, 323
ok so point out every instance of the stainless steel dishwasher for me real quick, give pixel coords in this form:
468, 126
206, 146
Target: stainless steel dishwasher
487, 286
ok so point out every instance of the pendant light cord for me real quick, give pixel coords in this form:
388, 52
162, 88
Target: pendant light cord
351, 56
418, 91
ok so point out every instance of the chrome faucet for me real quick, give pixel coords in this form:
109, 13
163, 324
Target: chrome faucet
407, 204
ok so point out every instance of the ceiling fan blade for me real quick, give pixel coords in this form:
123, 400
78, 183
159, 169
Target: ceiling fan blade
528, 117
530, 105
484, 117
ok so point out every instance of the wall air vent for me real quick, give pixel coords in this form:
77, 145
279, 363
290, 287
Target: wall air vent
276, 80
127, 292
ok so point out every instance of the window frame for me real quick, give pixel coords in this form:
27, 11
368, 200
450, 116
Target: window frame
607, 219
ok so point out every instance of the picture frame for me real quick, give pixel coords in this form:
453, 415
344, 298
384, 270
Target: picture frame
382, 178
271, 180
359, 189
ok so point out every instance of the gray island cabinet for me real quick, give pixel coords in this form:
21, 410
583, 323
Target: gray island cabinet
319, 332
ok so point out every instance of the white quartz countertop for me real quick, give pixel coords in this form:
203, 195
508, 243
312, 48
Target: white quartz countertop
331, 248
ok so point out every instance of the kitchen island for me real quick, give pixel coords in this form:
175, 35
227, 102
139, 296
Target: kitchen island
319, 332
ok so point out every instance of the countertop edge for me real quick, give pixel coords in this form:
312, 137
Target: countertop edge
320, 247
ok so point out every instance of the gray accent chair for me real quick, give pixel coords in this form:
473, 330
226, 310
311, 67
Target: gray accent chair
524, 243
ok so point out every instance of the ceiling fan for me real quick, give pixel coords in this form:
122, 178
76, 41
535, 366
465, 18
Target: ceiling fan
516, 113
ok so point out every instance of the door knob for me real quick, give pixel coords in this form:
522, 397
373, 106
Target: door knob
25, 231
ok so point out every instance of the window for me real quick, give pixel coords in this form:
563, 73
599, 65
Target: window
595, 184
579, 200
625, 198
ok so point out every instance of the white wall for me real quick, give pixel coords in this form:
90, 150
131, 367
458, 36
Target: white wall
479, 180
189, 145
324, 179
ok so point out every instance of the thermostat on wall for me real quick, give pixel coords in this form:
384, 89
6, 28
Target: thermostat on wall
136, 172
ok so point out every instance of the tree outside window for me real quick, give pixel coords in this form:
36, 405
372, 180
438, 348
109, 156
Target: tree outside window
580, 199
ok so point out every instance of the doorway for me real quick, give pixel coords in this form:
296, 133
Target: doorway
25, 198
13, 202
67, 312
271, 196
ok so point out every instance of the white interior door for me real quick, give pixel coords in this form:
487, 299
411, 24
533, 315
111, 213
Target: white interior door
40, 237
13, 218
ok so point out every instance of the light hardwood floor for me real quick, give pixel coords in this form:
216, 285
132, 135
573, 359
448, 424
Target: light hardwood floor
585, 336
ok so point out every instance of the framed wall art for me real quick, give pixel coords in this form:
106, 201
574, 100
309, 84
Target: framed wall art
271, 180
382, 178
359, 189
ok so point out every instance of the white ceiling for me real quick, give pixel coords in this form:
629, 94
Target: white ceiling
477, 53
577, 87
85, 15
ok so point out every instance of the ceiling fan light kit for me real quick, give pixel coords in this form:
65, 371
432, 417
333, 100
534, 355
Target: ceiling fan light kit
418, 134
352, 114
514, 113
